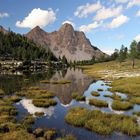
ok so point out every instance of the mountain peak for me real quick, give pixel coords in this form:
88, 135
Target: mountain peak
65, 42
66, 27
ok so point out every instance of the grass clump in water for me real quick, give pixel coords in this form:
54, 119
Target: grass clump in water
135, 100
44, 102
78, 97
130, 86
100, 89
114, 96
98, 103
77, 116
119, 105
102, 123
39, 114
95, 94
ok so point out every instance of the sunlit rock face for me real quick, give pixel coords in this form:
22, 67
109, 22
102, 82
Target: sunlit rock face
79, 83
28, 105
66, 42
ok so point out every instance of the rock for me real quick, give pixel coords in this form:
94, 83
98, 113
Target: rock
38, 132
66, 42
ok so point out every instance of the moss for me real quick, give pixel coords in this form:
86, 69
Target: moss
95, 94
98, 103
102, 123
119, 105
44, 102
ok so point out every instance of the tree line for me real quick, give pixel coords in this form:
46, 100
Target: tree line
16, 46
124, 53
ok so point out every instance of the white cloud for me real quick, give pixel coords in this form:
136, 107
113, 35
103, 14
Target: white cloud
121, 1
37, 17
90, 27
133, 3
2, 15
118, 21
138, 13
69, 22
137, 38
85, 10
106, 13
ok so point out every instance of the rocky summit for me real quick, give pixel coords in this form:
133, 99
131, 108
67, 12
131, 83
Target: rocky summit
66, 42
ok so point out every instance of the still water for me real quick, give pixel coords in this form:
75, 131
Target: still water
54, 116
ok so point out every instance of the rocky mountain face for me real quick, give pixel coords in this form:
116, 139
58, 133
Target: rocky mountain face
66, 42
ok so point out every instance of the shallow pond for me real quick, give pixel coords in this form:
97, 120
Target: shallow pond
54, 116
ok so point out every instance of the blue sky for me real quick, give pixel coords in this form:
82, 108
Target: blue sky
107, 23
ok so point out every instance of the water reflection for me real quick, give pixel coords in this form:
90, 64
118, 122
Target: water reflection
28, 105
79, 83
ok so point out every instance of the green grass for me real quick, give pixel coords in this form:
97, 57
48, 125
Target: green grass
78, 97
130, 86
114, 96
95, 94
44, 102
119, 105
108, 70
135, 100
17, 135
77, 116
102, 123
98, 103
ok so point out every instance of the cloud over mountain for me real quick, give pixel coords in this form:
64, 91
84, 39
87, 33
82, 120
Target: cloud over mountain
37, 17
